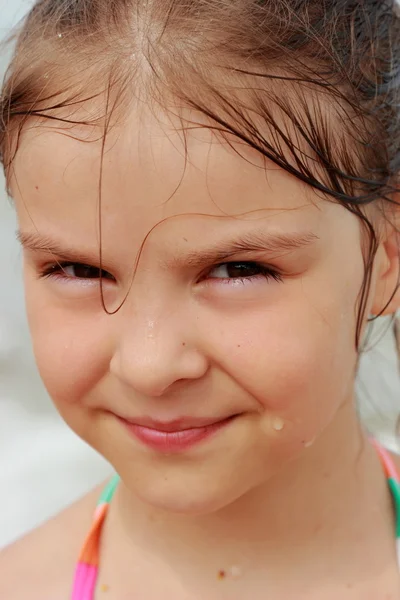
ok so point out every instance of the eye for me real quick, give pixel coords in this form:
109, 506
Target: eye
76, 271
243, 270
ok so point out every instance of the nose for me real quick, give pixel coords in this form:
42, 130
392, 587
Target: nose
156, 351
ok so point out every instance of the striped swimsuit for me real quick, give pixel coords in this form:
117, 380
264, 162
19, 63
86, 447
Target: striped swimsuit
88, 566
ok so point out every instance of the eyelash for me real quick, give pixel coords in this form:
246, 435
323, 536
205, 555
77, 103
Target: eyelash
57, 271
264, 271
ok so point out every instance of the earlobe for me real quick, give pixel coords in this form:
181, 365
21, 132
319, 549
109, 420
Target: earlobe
387, 291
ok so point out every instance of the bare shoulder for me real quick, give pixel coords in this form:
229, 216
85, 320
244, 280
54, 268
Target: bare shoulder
41, 564
396, 461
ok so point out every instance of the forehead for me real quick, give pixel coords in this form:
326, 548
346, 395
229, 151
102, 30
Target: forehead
153, 168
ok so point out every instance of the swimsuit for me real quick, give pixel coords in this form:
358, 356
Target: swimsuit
88, 566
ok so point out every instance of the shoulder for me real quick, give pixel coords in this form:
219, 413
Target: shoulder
396, 462
41, 565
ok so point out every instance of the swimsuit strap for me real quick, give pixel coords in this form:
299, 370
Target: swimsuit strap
88, 564
393, 478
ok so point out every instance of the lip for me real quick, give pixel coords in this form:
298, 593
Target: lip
174, 436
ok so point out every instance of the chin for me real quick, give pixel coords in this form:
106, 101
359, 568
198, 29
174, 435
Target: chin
185, 504
182, 497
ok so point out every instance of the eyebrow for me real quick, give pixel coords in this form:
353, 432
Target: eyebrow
255, 241
35, 242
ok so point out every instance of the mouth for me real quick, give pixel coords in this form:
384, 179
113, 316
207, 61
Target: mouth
174, 436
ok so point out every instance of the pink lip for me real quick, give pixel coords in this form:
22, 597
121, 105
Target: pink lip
174, 436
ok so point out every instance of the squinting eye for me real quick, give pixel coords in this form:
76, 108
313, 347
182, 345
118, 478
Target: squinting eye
242, 270
76, 271
85, 272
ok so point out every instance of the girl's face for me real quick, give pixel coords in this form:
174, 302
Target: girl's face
240, 315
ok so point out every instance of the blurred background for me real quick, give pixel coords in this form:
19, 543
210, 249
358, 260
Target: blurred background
43, 465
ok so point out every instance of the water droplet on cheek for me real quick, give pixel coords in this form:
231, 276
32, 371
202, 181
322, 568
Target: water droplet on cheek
309, 443
278, 424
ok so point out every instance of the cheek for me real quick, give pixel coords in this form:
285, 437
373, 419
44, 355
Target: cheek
71, 350
296, 364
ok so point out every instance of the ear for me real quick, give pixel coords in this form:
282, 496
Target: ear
386, 299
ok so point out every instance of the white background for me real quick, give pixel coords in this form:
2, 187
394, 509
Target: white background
43, 466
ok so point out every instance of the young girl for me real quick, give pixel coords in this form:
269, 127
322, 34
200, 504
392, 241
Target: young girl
207, 195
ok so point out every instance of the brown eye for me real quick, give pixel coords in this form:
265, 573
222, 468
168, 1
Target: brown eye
80, 271
76, 271
241, 271
237, 270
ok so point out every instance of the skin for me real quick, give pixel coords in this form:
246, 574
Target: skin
281, 484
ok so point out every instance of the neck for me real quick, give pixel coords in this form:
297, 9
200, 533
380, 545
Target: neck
325, 501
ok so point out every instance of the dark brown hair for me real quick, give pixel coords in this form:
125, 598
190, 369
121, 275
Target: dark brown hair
313, 85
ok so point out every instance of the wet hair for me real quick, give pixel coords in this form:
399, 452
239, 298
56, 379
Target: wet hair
311, 85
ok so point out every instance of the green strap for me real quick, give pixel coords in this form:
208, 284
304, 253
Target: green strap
109, 490
395, 489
